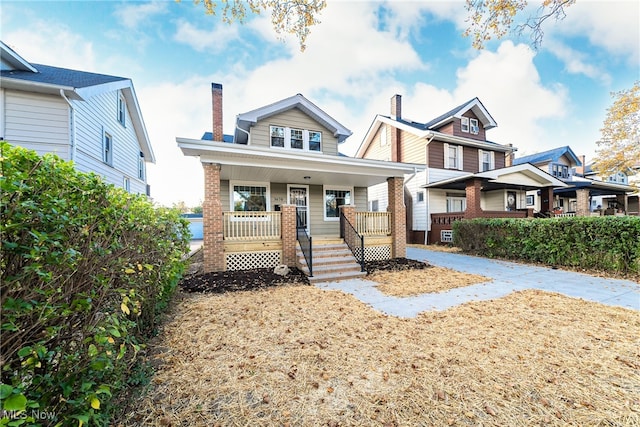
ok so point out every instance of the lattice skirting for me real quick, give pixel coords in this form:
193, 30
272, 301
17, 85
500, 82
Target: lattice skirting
249, 260
374, 253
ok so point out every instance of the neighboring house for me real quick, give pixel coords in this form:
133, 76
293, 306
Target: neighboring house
613, 203
583, 192
466, 175
92, 119
278, 191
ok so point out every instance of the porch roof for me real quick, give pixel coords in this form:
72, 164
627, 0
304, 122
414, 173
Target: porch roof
246, 162
596, 188
523, 177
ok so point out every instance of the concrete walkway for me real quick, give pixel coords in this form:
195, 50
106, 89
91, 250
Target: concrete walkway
507, 277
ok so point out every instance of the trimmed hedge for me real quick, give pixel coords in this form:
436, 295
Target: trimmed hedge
86, 270
609, 243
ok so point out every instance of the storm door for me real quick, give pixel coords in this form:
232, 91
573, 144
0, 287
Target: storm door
299, 196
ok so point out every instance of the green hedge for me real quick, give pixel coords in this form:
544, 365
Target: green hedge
86, 270
609, 243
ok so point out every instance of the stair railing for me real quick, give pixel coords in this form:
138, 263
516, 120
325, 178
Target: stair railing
353, 239
305, 242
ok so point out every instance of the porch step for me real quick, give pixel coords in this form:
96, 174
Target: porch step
332, 261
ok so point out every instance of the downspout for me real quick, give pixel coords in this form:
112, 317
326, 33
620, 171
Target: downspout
428, 198
248, 135
72, 126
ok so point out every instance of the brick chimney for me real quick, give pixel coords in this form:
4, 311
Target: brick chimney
216, 101
396, 114
510, 156
396, 107
581, 169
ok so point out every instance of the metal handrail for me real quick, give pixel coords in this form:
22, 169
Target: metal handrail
351, 237
305, 242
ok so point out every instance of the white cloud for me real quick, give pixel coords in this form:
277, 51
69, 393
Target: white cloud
577, 62
132, 15
212, 41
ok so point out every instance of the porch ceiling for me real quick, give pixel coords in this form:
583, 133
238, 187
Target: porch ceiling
242, 162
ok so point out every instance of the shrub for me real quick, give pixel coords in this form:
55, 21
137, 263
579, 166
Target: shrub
610, 243
86, 270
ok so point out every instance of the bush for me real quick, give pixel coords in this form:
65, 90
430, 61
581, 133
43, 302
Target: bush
609, 243
86, 270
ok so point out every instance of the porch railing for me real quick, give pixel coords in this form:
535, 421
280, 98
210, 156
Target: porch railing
305, 242
373, 223
353, 239
251, 225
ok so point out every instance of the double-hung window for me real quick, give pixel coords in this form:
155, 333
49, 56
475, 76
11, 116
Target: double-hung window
334, 197
295, 139
473, 123
560, 171
453, 156
107, 148
486, 160
456, 203
250, 197
122, 110
464, 124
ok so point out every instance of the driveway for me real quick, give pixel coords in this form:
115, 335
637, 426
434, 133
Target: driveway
507, 277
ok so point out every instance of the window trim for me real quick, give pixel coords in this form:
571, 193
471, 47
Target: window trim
464, 124
474, 128
324, 199
451, 198
126, 184
286, 144
233, 184
459, 159
492, 160
122, 110
107, 155
530, 199
420, 197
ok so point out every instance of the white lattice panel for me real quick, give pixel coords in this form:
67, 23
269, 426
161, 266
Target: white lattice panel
249, 260
374, 253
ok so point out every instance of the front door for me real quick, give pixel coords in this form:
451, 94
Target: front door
299, 196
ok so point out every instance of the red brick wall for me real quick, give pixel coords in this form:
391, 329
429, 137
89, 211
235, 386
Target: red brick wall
395, 189
212, 220
289, 235
473, 198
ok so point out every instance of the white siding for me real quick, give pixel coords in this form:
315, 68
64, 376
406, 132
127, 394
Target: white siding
414, 185
435, 175
37, 122
92, 118
380, 193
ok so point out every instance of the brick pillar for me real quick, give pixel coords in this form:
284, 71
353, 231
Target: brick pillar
213, 245
349, 212
582, 202
395, 189
474, 209
546, 199
289, 234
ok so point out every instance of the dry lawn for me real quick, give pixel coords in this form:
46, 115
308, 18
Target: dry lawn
429, 280
301, 356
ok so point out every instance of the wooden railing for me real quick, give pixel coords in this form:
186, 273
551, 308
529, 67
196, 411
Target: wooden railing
251, 225
373, 223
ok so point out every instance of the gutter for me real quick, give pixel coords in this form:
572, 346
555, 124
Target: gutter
72, 126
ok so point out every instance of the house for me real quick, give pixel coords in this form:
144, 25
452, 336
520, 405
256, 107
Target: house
278, 191
583, 190
466, 175
613, 203
91, 119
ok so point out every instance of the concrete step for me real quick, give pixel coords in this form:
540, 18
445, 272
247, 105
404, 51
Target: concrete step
332, 277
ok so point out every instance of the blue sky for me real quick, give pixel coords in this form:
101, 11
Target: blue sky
360, 55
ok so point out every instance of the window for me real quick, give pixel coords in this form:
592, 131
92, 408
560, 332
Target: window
315, 141
560, 171
107, 148
474, 126
122, 110
487, 160
531, 200
374, 206
126, 184
296, 139
464, 124
277, 136
141, 168
456, 203
249, 197
333, 199
420, 196
452, 156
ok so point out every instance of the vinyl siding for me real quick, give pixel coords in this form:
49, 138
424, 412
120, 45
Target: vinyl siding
95, 116
412, 148
419, 208
375, 149
380, 193
37, 122
293, 118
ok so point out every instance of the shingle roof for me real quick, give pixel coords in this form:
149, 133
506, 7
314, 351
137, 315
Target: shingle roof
548, 156
61, 76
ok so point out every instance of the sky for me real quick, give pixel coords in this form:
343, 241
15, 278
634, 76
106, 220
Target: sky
357, 58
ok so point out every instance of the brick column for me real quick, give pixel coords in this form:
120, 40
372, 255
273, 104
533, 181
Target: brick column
395, 190
349, 212
213, 245
582, 202
546, 199
289, 234
474, 209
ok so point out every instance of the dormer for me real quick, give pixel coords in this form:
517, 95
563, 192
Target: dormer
469, 120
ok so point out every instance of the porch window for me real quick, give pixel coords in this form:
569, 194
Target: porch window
530, 200
250, 197
296, 139
333, 199
456, 204
452, 156
277, 136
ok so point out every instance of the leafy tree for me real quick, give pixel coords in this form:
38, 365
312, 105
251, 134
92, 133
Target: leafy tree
494, 18
289, 17
619, 147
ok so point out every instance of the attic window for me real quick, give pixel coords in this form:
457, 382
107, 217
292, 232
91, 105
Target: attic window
464, 124
122, 110
474, 126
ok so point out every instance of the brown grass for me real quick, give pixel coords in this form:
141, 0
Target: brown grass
429, 280
301, 356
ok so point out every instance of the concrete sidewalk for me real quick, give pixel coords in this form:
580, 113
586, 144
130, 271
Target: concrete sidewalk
507, 277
